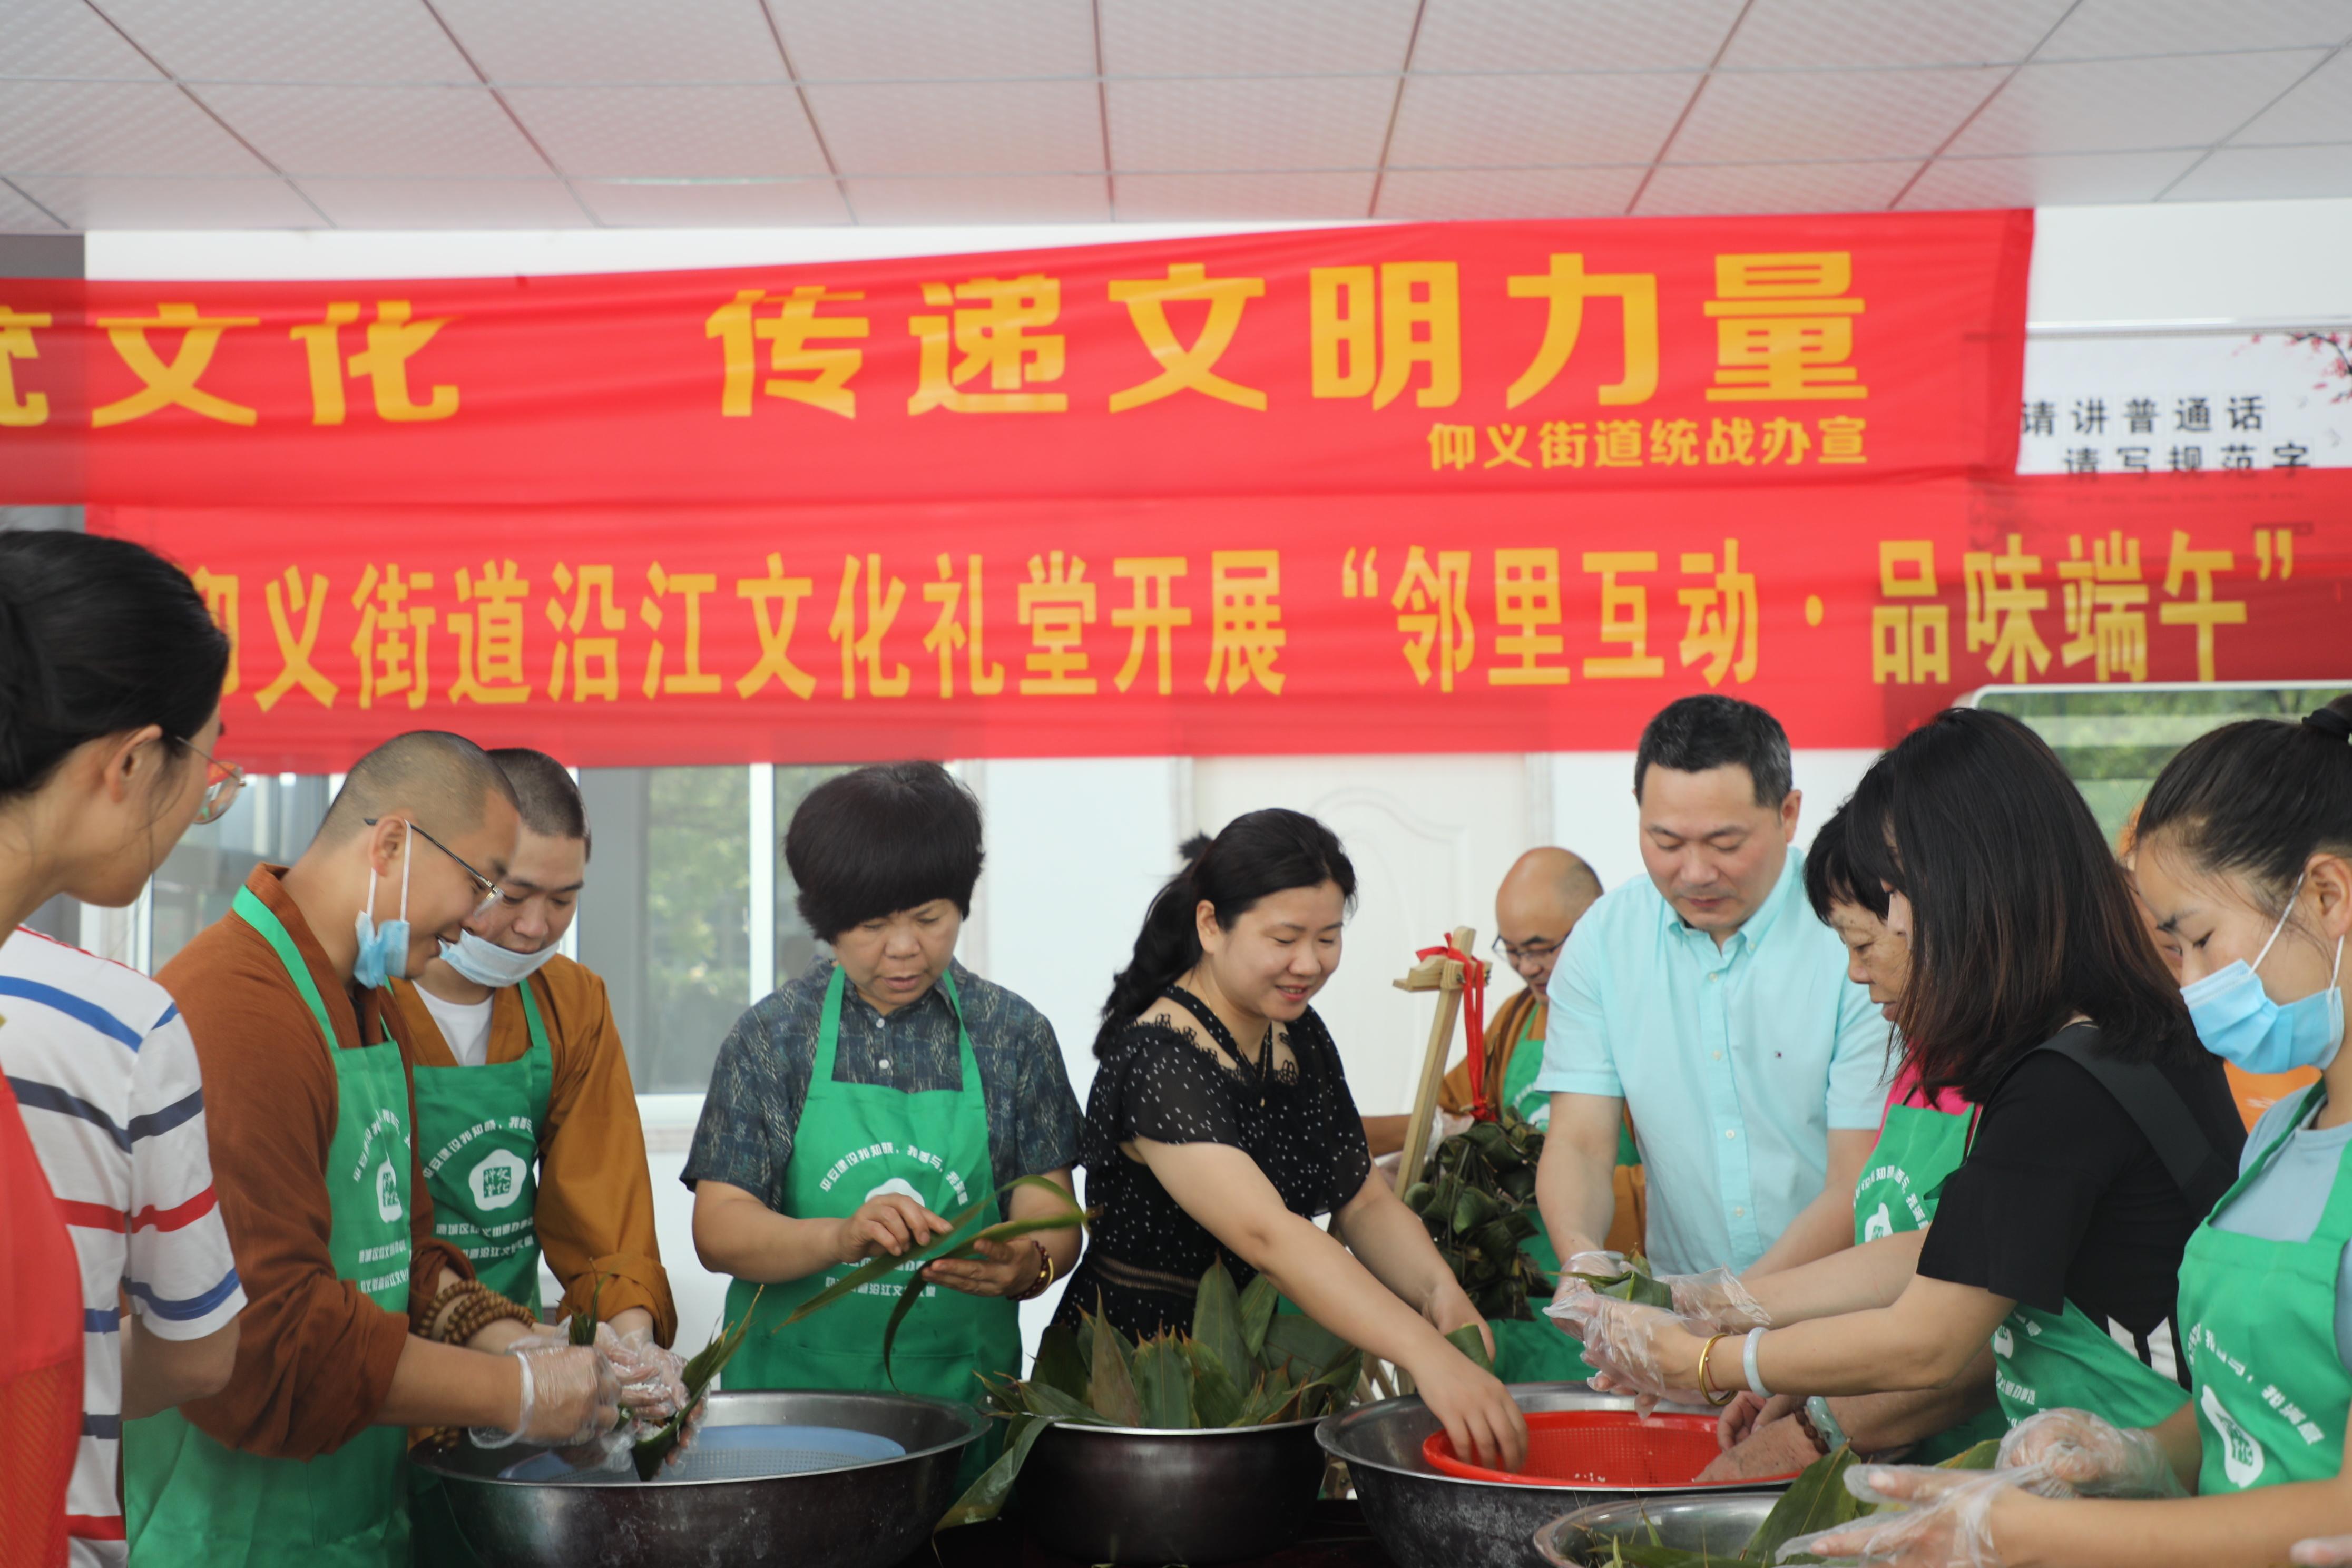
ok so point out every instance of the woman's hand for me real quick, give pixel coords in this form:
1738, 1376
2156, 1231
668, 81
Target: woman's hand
1002, 1269
893, 1223
1480, 1418
2093, 1457
2322, 1551
1779, 1448
1643, 1351
1949, 1519
1450, 1309
1749, 1412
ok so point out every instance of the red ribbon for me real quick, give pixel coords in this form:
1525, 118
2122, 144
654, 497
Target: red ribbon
1474, 1020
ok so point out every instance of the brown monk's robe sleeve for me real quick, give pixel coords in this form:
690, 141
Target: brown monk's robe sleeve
315, 1358
595, 1208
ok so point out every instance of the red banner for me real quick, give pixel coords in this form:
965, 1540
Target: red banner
1540, 360
1361, 623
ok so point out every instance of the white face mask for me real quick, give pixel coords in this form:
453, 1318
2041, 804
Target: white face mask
484, 962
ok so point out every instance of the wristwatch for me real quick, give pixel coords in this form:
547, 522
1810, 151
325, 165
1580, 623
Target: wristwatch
1824, 1425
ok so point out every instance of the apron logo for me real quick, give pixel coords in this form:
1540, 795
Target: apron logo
2004, 1344
499, 1180
2242, 1456
387, 1192
898, 1186
1880, 1226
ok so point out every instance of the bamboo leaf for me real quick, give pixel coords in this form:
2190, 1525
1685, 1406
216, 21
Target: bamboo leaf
1055, 1404
1216, 1398
908, 1294
1163, 1385
1816, 1499
985, 1498
1295, 1337
584, 1324
1982, 1457
1470, 1342
700, 1371
1217, 1317
1258, 1300
1059, 1363
874, 1268
1110, 1386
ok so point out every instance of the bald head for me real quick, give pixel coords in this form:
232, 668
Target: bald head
443, 782
1543, 896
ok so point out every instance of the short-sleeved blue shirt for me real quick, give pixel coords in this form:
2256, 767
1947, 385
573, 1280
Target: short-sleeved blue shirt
1735, 1061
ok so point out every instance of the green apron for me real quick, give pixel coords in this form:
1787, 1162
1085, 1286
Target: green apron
853, 1142
2260, 1321
1538, 1349
1918, 1148
482, 1125
192, 1500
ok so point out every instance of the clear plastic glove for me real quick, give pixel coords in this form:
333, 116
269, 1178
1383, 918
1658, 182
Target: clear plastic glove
2323, 1551
1749, 1412
1945, 1519
1621, 1343
651, 1378
2090, 1456
1717, 1300
570, 1396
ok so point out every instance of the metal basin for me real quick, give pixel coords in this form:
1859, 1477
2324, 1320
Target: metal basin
1720, 1524
1131, 1494
1426, 1520
868, 1515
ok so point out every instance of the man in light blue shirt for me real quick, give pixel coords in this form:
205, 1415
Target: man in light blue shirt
1709, 1002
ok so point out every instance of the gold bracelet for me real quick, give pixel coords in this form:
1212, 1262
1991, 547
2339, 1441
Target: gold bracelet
1706, 1390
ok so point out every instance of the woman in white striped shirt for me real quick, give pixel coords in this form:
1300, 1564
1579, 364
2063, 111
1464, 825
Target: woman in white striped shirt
111, 672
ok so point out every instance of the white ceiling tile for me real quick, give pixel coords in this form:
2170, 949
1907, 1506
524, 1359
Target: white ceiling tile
572, 41
19, 215
1035, 198
2074, 179
961, 128
1571, 35
429, 132
720, 204
1797, 35
2116, 105
1506, 192
1173, 198
2258, 173
936, 40
136, 202
293, 40
446, 204
2317, 109
671, 132
114, 128
1829, 114
1254, 38
1300, 122
67, 39
2099, 29
1491, 120
1774, 188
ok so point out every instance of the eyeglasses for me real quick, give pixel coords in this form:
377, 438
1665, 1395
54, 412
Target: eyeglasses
486, 887
222, 781
1530, 952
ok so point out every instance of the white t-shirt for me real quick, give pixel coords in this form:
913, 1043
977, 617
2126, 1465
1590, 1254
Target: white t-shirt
106, 1076
465, 1025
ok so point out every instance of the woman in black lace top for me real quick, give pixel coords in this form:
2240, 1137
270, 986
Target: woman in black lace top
1219, 1122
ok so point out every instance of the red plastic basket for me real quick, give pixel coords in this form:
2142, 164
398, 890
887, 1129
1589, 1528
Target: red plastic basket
1598, 1449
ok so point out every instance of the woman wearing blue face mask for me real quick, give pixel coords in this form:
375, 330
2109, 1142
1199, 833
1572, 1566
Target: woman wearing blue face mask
2244, 861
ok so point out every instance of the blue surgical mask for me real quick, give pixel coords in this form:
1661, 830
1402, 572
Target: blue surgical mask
484, 962
2239, 1021
383, 949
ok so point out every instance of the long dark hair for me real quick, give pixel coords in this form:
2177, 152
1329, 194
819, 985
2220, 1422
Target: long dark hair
98, 636
1260, 853
2021, 918
2259, 798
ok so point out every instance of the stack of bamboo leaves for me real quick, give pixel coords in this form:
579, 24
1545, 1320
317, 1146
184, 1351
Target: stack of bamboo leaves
1817, 1499
1244, 1364
1477, 1196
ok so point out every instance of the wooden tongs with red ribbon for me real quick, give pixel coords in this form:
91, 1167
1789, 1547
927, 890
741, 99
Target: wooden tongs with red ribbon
1450, 970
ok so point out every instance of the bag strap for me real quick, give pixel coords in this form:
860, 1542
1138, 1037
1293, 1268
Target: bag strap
2156, 1108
